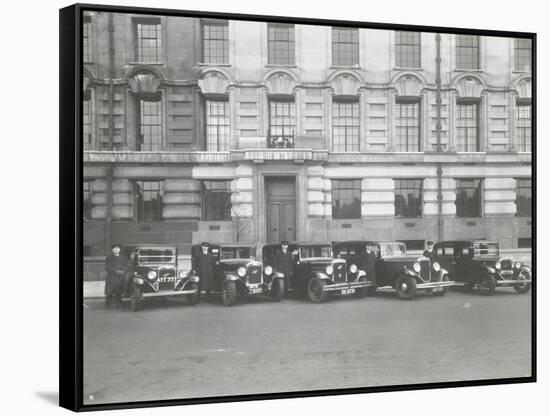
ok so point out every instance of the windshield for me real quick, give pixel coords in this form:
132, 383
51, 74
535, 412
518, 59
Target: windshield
485, 249
315, 251
238, 253
155, 255
392, 249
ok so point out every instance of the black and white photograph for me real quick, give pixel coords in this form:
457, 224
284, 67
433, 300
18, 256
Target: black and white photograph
289, 206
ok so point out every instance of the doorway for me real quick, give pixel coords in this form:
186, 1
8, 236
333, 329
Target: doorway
281, 209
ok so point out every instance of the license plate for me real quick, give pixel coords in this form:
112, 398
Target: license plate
255, 291
347, 291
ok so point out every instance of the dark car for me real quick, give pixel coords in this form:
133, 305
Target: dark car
239, 273
317, 274
478, 264
153, 272
395, 269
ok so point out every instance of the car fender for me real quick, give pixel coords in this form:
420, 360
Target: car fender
526, 269
488, 269
321, 275
231, 277
360, 274
439, 275
277, 275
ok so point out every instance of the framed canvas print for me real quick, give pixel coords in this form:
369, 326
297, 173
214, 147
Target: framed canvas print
258, 207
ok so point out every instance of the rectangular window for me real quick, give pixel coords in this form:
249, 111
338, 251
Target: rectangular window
468, 198
282, 124
523, 126
345, 46
87, 200
345, 126
215, 42
408, 198
149, 195
216, 200
523, 197
407, 126
522, 55
150, 123
467, 52
217, 126
407, 49
346, 199
148, 37
280, 44
525, 242
467, 127
87, 120
86, 39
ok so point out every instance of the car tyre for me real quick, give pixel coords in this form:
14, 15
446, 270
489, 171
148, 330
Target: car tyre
193, 298
486, 283
135, 302
443, 290
277, 290
405, 287
361, 292
315, 290
523, 287
229, 293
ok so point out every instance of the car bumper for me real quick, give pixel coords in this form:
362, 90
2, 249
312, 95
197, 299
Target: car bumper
170, 293
435, 286
512, 282
347, 285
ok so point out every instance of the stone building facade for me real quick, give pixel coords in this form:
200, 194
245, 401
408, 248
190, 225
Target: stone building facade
202, 129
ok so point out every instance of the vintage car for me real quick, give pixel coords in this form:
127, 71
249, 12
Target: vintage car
479, 265
153, 272
317, 274
395, 269
239, 273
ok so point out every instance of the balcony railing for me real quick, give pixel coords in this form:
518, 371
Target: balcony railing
279, 141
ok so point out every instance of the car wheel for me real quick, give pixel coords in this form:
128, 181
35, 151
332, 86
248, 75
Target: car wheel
135, 302
523, 287
486, 283
361, 292
315, 290
442, 291
193, 298
277, 290
229, 293
406, 287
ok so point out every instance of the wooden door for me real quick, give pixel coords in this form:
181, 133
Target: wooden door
281, 209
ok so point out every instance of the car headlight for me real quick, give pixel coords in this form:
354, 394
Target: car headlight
498, 265
517, 265
268, 270
436, 266
139, 280
353, 268
416, 267
184, 274
241, 272
152, 275
329, 269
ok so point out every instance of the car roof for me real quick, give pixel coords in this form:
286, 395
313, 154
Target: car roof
301, 243
148, 246
464, 242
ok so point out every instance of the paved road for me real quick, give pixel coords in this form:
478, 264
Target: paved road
173, 350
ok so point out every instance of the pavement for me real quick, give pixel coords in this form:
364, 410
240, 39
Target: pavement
170, 349
94, 289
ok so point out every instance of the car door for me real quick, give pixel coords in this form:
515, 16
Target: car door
443, 254
462, 263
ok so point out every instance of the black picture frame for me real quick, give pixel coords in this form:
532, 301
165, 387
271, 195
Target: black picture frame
71, 230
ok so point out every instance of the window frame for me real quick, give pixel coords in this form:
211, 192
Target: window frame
156, 206
343, 122
138, 49
87, 36
524, 131
409, 47
460, 212
460, 147
337, 43
400, 102
87, 195
277, 59
419, 189
222, 214
224, 39
154, 145
339, 212
524, 209
460, 55
223, 141
527, 67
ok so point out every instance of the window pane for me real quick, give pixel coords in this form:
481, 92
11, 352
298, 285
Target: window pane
216, 200
467, 52
523, 127
149, 203
345, 126
522, 54
346, 199
87, 120
86, 39
523, 197
468, 198
407, 49
467, 133
408, 198
150, 124
282, 124
148, 41
345, 46
216, 42
408, 127
280, 44
87, 200
217, 126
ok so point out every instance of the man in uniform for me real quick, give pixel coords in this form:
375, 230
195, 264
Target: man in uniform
115, 265
429, 252
204, 264
284, 264
367, 263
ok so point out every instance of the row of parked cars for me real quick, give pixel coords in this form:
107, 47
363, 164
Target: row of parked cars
321, 270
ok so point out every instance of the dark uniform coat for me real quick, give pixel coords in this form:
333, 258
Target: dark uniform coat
428, 253
116, 266
205, 266
283, 263
367, 262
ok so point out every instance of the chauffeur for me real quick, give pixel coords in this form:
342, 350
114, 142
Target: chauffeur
283, 263
205, 264
116, 265
429, 252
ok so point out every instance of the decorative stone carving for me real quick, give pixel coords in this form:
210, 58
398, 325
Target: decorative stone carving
469, 87
345, 85
408, 86
524, 89
144, 83
213, 83
280, 83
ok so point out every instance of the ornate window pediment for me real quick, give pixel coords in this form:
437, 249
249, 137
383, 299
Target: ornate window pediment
469, 87
408, 86
280, 84
524, 89
214, 83
144, 84
345, 85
